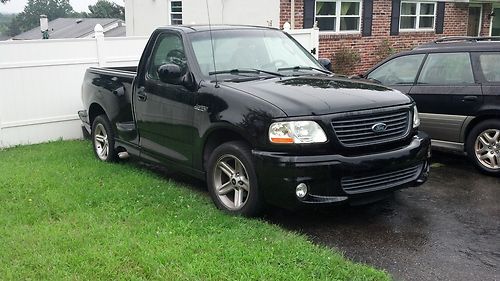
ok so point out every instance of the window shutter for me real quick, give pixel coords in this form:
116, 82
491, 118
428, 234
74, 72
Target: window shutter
395, 13
309, 13
440, 18
367, 17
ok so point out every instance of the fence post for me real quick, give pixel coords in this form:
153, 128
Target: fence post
99, 37
286, 27
315, 39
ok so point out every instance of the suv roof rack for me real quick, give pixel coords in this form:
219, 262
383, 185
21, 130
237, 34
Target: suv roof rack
466, 38
452, 40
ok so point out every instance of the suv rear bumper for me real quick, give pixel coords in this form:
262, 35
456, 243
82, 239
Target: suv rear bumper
334, 179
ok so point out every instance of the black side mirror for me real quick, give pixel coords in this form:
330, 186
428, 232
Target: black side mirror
326, 63
170, 73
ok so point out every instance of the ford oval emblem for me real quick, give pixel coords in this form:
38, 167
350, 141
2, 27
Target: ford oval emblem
379, 128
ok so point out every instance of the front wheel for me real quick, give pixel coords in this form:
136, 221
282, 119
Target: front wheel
103, 140
232, 181
483, 146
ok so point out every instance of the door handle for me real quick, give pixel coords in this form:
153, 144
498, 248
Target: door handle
470, 98
141, 95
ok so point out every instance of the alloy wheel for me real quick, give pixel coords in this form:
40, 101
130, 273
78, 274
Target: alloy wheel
487, 148
101, 142
231, 182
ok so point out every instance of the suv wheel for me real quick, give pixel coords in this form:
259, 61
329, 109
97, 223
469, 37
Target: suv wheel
232, 181
483, 146
103, 140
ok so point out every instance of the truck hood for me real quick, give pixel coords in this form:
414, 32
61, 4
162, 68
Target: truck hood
318, 95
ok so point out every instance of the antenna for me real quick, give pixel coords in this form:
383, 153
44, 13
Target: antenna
212, 43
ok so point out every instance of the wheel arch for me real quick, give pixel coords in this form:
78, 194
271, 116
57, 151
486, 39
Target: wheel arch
470, 124
95, 109
218, 136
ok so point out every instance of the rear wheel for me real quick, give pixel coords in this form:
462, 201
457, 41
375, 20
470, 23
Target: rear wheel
232, 181
483, 146
103, 139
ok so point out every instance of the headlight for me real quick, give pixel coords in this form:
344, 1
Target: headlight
416, 119
296, 132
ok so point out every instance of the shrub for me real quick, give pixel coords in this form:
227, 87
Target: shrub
345, 60
384, 50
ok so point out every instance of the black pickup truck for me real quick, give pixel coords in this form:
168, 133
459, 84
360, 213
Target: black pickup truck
253, 113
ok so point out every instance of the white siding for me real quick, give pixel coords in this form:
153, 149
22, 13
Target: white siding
143, 16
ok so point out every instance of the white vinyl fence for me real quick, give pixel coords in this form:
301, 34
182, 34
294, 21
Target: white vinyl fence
41, 83
308, 38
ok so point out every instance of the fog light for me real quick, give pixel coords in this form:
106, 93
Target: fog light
301, 190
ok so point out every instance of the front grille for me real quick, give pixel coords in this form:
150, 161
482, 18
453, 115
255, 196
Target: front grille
354, 185
356, 130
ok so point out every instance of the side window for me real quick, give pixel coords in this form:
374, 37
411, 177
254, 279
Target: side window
443, 69
168, 49
401, 70
490, 65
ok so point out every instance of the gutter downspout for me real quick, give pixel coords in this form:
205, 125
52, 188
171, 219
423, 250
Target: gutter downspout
292, 12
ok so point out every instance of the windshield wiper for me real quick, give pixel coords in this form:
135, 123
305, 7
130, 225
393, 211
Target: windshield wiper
237, 71
299, 67
269, 72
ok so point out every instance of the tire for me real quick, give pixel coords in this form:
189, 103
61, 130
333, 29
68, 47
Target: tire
103, 139
232, 180
483, 146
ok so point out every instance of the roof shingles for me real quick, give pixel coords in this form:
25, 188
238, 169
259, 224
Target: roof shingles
73, 28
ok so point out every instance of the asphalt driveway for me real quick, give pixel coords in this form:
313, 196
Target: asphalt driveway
447, 229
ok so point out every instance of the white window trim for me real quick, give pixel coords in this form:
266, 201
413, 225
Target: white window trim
337, 16
480, 5
417, 15
170, 13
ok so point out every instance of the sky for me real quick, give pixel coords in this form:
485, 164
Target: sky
16, 6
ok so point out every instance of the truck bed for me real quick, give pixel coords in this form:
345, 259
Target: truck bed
111, 89
121, 71
123, 68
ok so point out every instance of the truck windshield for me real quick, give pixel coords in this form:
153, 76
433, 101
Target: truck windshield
243, 52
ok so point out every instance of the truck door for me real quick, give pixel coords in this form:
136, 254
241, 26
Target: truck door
164, 112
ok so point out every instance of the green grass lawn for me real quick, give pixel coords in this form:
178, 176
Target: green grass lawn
65, 215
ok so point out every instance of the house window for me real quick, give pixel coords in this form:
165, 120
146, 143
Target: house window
175, 12
475, 21
338, 16
417, 16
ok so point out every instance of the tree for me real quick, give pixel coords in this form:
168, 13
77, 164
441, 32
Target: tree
30, 16
13, 28
106, 9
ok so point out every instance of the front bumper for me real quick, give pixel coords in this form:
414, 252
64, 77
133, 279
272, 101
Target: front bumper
334, 179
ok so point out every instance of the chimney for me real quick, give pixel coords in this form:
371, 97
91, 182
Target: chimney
44, 26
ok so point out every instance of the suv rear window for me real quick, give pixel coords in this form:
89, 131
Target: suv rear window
490, 65
446, 69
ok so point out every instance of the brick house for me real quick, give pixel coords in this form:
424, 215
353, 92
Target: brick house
374, 28
370, 28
